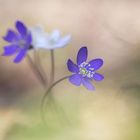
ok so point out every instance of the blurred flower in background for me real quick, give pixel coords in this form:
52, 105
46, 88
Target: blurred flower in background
19, 42
44, 40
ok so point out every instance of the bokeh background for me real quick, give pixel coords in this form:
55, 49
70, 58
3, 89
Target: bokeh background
111, 30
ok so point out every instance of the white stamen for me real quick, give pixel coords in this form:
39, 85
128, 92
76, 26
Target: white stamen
85, 70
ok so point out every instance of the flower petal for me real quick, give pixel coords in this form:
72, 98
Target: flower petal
10, 36
82, 55
86, 82
96, 63
39, 37
21, 28
29, 39
9, 50
55, 35
72, 67
75, 79
98, 77
20, 56
62, 42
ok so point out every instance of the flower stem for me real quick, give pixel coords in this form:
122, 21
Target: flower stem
36, 71
38, 64
52, 75
46, 94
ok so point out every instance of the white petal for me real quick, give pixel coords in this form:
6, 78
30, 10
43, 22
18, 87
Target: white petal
63, 42
55, 35
39, 37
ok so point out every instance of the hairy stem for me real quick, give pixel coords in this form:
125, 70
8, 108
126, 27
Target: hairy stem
38, 64
36, 71
46, 94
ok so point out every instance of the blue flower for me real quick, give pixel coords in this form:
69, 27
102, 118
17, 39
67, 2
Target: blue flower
44, 40
19, 42
84, 72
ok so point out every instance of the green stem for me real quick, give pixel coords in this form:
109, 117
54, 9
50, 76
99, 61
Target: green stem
36, 71
46, 94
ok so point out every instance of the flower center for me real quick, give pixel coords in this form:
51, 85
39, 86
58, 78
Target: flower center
21, 43
52, 41
83, 71
86, 70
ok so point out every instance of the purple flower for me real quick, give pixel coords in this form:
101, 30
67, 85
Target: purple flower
19, 42
84, 72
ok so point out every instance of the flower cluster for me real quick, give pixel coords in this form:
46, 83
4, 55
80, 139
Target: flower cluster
26, 38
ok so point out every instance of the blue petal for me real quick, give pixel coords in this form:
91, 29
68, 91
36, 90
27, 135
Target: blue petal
21, 28
75, 79
10, 36
86, 82
63, 42
20, 56
96, 63
98, 77
29, 39
10, 50
82, 55
72, 67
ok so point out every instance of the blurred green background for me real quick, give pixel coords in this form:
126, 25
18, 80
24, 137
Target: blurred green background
111, 30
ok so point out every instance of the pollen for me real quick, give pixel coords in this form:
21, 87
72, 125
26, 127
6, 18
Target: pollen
86, 70
83, 71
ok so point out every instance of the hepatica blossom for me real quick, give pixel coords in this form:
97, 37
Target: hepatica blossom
84, 72
44, 40
19, 42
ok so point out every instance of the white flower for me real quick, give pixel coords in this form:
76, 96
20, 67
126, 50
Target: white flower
41, 39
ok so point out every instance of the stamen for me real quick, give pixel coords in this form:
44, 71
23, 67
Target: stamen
85, 70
